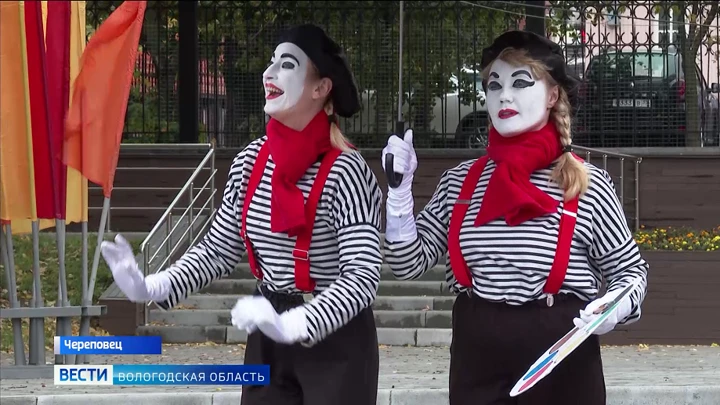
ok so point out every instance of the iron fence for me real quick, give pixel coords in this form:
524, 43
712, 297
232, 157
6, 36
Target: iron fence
649, 78
650, 70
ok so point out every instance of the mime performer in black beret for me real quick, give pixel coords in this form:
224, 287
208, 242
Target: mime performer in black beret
530, 232
305, 208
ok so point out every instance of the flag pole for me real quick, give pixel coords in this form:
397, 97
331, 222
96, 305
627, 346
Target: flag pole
80, 359
96, 259
37, 325
9, 263
64, 324
87, 299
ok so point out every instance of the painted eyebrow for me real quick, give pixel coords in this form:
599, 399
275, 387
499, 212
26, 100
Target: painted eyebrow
287, 55
520, 72
495, 75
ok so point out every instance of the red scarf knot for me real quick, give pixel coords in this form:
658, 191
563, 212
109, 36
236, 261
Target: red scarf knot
293, 153
509, 193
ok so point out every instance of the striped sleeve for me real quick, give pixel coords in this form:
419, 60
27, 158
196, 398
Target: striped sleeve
355, 209
409, 260
219, 252
614, 250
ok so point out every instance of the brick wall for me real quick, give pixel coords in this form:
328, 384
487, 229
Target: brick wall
682, 303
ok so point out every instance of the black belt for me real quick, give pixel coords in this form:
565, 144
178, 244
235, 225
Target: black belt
541, 302
281, 301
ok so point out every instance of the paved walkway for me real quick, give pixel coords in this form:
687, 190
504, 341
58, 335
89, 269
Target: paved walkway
411, 368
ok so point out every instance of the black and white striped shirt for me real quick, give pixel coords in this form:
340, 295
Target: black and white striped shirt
511, 263
345, 254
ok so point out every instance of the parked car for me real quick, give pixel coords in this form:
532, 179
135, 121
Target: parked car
455, 122
636, 98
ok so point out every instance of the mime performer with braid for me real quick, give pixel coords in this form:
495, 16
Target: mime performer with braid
530, 232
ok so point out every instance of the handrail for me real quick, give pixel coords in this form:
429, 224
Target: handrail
168, 146
189, 207
605, 152
168, 212
621, 189
196, 225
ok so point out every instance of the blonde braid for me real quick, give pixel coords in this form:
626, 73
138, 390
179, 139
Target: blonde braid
337, 138
569, 173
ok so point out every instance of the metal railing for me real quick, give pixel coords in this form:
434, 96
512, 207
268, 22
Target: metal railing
620, 187
195, 219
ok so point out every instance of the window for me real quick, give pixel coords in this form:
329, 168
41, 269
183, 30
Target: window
612, 18
628, 65
575, 37
669, 21
613, 15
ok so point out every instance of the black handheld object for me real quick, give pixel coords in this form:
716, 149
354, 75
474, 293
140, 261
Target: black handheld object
393, 179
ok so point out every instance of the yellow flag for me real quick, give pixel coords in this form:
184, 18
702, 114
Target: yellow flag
16, 136
17, 188
77, 185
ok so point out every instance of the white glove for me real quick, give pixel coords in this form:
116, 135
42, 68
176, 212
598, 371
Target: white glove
257, 312
128, 276
400, 220
242, 315
405, 163
589, 315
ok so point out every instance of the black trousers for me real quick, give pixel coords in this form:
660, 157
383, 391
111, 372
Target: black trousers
340, 370
493, 345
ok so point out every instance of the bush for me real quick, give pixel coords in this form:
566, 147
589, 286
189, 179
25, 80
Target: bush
678, 239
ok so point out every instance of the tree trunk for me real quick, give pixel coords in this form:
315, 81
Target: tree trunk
690, 44
692, 108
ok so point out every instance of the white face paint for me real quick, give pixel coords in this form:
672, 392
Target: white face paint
284, 79
517, 102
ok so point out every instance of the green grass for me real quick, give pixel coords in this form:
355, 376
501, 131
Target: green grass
49, 270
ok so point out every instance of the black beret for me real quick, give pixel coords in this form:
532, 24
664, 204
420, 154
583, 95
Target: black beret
540, 48
331, 62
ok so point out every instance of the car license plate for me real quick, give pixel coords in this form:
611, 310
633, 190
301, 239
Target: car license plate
625, 102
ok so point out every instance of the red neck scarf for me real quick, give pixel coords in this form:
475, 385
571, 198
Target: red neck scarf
510, 194
293, 152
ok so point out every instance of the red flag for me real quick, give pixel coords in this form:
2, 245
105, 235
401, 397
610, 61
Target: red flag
97, 114
58, 57
42, 159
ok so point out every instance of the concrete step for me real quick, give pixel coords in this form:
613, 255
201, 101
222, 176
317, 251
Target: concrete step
383, 318
224, 302
436, 273
387, 288
230, 335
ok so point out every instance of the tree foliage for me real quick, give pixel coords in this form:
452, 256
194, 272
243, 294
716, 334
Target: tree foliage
237, 38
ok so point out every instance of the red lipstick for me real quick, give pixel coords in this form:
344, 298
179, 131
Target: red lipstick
506, 113
272, 91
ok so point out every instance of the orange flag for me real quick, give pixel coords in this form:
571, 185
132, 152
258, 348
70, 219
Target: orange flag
97, 113
17, 178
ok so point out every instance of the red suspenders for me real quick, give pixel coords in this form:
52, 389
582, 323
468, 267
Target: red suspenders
302, 245
457, 261
460, 208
